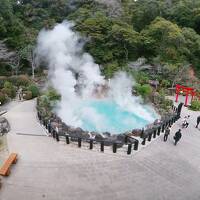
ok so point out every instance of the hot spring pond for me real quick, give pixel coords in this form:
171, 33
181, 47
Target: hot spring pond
107, 116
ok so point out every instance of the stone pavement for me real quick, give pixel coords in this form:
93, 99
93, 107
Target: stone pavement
52, 171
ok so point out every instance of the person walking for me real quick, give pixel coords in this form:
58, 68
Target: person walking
198, 121
167, 132
177, 136
20, 94
185, 123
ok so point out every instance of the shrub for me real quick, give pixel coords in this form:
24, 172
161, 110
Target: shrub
2, 81
9, 89
22, 80
27, 95
5, 69
165, 83
195, 105
8, 84
143, 90
34, 90
7, 92
53, 95
2, 98
13, 79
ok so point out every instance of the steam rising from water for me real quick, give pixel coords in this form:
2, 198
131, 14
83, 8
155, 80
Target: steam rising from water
79, 81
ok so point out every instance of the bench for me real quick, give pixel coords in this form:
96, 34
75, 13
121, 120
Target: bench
5, 169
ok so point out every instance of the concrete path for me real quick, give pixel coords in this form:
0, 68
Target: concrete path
52, 171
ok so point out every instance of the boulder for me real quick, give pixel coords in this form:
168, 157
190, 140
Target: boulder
136, 132
4, 126
121, 137
78, 133
106, 134
99, 137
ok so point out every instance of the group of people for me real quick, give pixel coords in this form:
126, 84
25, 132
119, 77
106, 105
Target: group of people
176, 137
178, 134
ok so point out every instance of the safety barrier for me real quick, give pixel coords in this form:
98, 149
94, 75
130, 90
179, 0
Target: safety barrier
131, 144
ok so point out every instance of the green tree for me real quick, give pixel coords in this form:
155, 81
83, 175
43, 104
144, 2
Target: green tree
166, 39
28, 53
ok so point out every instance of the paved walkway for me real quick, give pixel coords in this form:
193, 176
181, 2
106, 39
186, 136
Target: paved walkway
52, 171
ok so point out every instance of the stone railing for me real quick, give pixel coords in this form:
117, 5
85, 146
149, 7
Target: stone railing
126, 141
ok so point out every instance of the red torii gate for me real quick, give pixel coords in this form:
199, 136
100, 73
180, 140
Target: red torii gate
187, 91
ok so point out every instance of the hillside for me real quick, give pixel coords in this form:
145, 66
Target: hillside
164, 32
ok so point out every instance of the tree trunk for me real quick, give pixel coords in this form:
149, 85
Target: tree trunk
33, 70
33, 64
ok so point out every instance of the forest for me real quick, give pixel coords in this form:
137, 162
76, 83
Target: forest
165, 33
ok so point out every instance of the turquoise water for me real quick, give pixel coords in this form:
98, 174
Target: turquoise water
113, 118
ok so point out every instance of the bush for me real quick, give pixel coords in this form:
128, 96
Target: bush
143, 90
9, 89
27, 95
34, 90
195, 105
53, 95
5, 69
2, 98
22, 80
7, 92
165, 83
8, 85
2, 81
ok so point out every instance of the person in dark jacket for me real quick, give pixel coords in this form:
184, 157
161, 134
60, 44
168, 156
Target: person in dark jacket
177, 136
198, 121
167, 132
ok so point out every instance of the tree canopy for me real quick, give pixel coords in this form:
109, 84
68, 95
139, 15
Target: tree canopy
163, 30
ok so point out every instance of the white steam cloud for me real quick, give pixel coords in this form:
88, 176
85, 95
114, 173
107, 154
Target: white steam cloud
78, 79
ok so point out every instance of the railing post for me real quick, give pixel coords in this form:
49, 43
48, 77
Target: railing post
67, 138
49, 127
154, 133
159, 129
144, 141
79, 142
126, 139
57, 137
54, 133
114, 147
102, 146
149, 137
142, 133
39, 116
91, 144
136, 144
129, 149
174, 119
44, 122
163, 128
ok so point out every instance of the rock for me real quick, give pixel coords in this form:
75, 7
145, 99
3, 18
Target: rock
157, 122
106, 134
78, 133
4, 125
121, 137
138, 63
136, 132
99, 137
